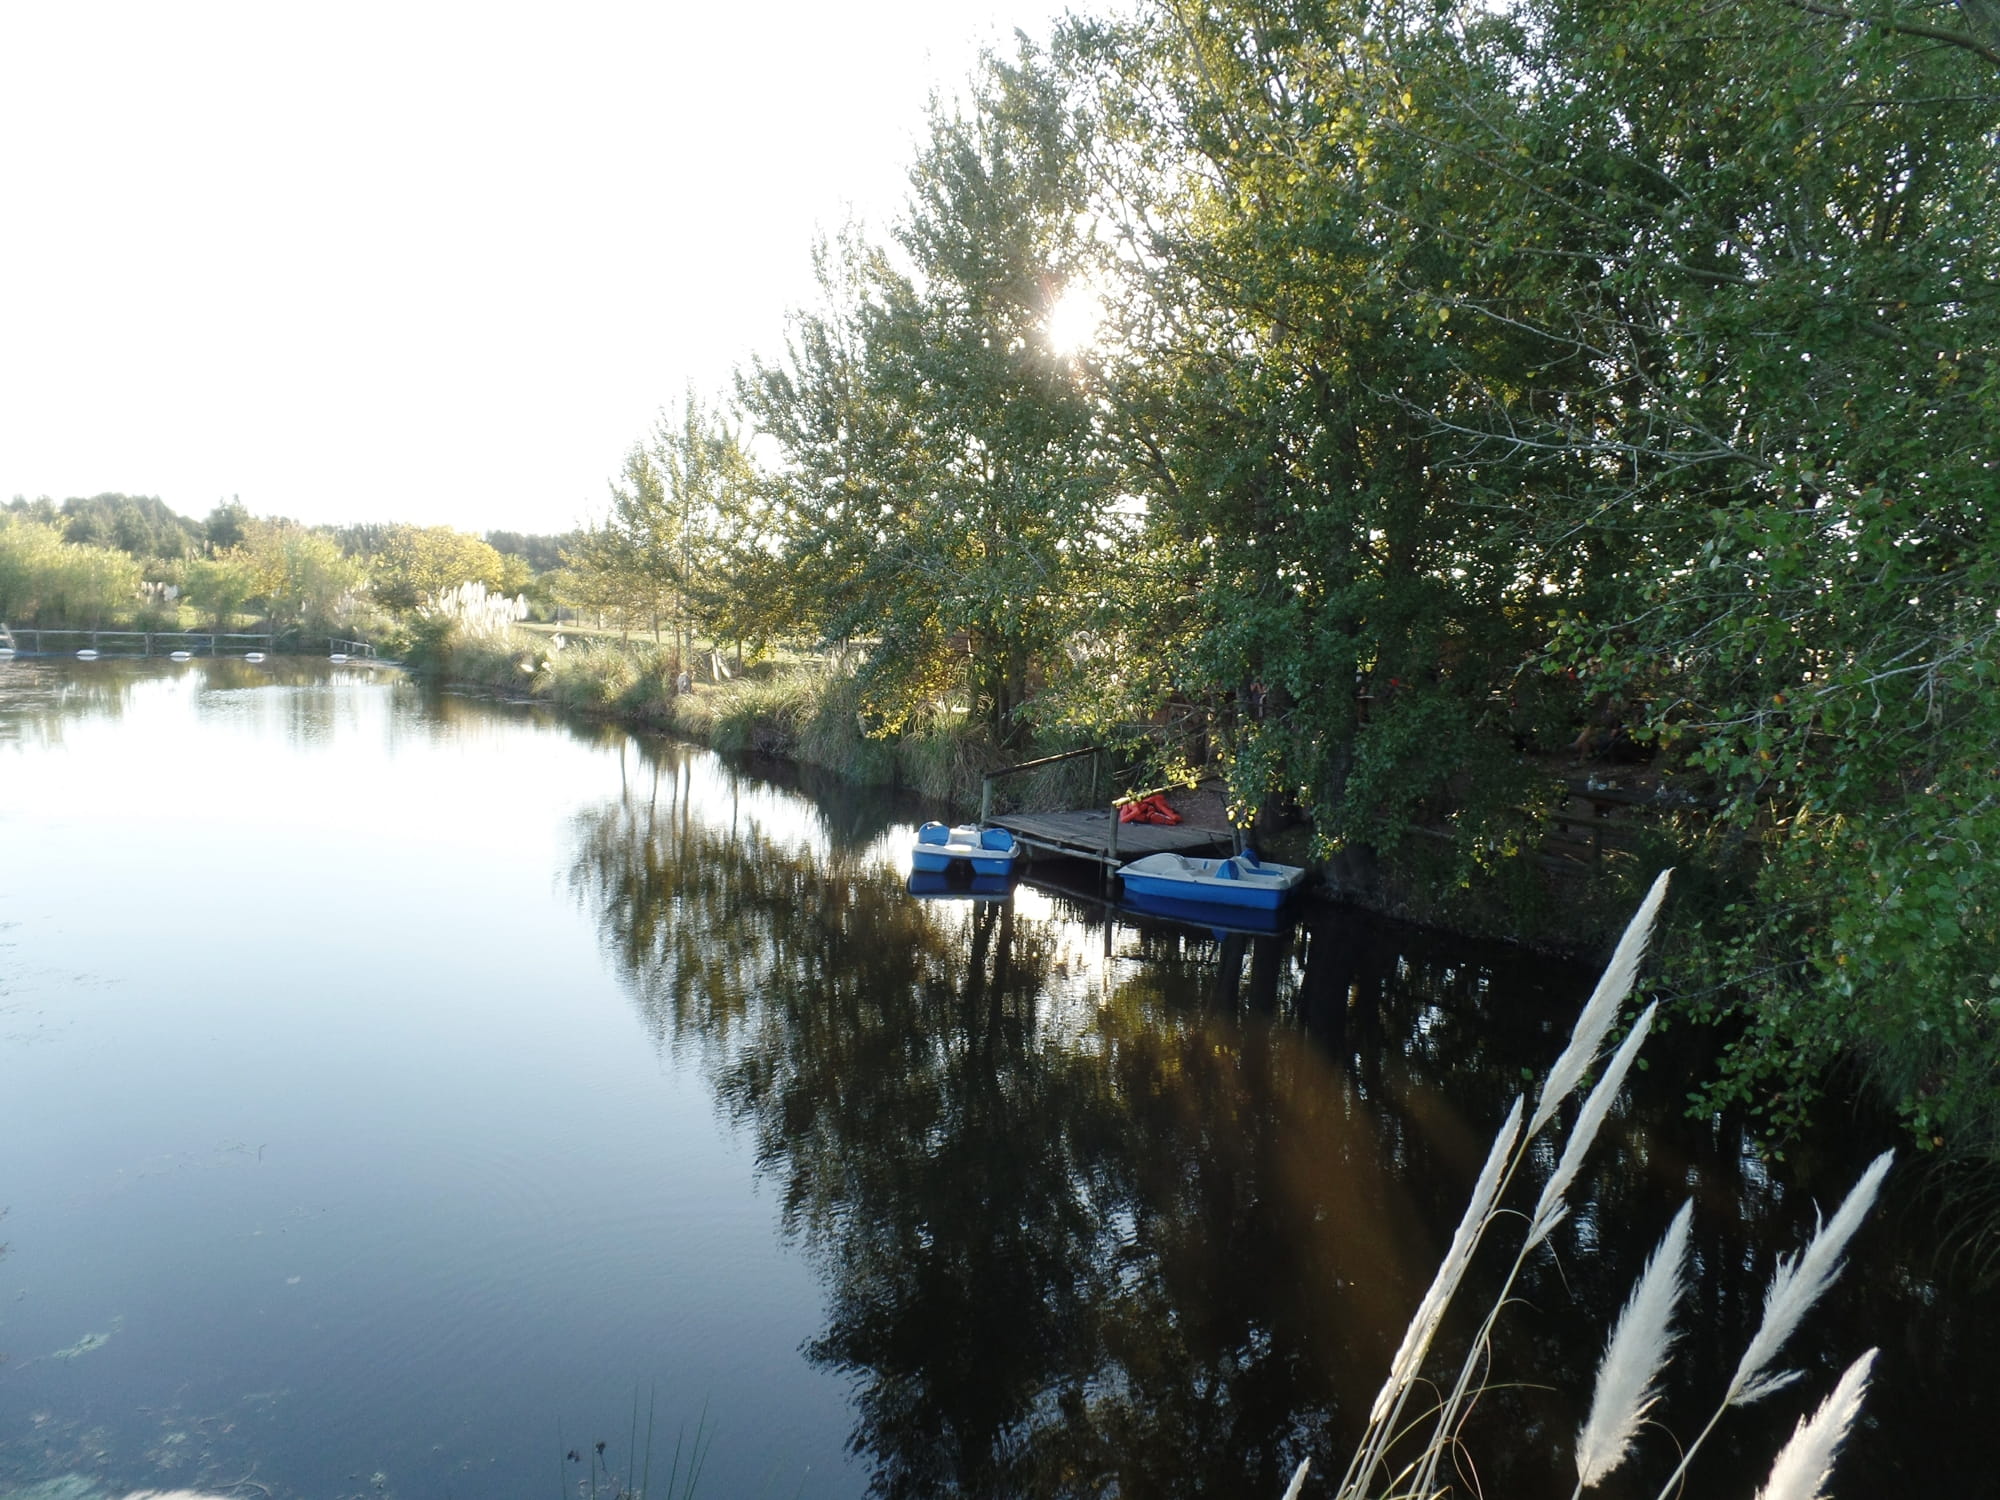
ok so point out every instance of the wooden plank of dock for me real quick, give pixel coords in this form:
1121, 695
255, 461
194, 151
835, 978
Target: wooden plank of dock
1087, 835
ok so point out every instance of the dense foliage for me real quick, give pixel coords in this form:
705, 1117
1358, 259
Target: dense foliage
944, 484
1475, 389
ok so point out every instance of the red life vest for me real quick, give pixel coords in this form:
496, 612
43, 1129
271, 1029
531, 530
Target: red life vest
1153, 809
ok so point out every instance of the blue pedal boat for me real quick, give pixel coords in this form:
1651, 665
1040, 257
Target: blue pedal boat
988, 851
1221, 921
1242, 880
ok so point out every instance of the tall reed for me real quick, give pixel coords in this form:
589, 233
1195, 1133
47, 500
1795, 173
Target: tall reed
1640, 1347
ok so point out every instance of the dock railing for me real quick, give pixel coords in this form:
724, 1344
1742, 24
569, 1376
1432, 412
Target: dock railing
986, 782
32, 640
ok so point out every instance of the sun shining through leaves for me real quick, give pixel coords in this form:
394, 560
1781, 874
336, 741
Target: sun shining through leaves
1074, 318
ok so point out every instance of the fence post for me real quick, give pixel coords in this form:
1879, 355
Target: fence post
985, 797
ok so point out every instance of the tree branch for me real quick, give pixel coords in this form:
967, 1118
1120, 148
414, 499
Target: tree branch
1963, 39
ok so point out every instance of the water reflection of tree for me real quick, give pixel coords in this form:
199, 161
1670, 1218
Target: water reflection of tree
1157, 1233
1056, 1262
38, 697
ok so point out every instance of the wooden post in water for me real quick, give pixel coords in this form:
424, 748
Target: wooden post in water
985, 798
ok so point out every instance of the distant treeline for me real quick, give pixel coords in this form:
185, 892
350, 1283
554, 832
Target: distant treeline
130, 559
141, 526
145, 528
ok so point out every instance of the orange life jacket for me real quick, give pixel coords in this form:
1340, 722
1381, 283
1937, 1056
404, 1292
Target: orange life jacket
1153, 809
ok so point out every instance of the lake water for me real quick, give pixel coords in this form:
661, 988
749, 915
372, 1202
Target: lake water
402, 1092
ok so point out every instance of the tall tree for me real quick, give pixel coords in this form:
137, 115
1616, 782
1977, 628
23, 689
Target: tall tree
302, 576
1651, 346
661, 553
944, 463
415, 563
1338, 595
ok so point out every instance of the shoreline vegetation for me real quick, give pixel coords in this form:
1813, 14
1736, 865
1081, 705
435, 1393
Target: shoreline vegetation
806, 711
1424, 421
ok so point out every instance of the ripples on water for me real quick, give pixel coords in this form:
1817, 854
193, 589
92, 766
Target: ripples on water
396, 1084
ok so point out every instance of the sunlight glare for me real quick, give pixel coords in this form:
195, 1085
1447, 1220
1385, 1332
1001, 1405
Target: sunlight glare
1074, 320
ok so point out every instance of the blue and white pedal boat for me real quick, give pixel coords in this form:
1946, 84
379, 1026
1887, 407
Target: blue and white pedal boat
1242, 880
987, 851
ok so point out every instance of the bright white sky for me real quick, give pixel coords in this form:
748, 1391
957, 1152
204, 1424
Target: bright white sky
430, 262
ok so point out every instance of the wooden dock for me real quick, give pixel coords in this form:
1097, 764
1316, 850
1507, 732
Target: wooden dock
1095, 834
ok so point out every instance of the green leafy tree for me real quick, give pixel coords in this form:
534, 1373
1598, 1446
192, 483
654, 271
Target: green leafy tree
679, 514
415, 563
542, 553
222, 586
1326, 583
226, 526
943, 475
139, 525
302, 576
1795, 362
50, 581
1648, 347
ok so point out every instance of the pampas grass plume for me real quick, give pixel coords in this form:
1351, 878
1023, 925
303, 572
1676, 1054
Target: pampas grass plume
1628, 1378
1635, 1356
1430, 1312
1803, 1464
1601, 1009
1797, 1284
1298, 1479
1551, 1207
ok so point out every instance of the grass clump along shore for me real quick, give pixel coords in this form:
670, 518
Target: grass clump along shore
806, 709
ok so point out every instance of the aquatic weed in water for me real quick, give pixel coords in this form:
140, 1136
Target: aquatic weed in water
638, 1481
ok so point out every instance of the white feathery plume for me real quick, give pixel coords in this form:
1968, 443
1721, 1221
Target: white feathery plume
1551, 1208
1430, 1312
1801, 1468
1628, 1378
1797, 1284
1298, 1479
1601, 1009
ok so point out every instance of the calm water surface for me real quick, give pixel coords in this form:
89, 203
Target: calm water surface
395, 1089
